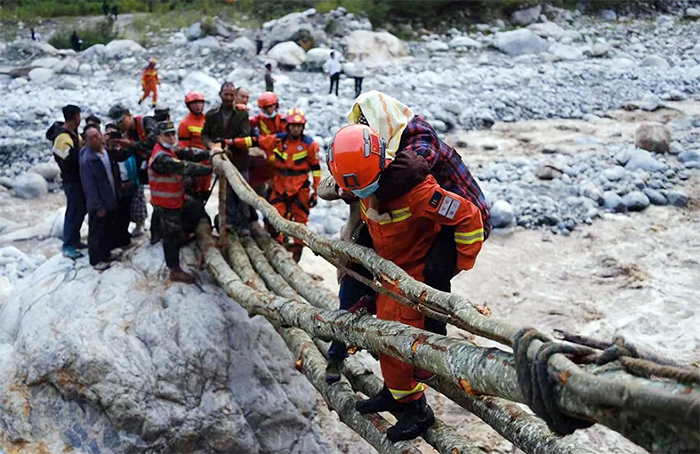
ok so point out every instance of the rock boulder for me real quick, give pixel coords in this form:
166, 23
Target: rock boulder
653, 137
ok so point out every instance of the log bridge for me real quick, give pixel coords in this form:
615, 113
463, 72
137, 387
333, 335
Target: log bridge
652, 401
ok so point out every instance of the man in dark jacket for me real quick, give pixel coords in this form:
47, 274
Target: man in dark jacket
99, 174
226, 122
178, 213
140, 138
66, 146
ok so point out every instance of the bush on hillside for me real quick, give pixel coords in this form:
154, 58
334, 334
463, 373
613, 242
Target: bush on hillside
101, 33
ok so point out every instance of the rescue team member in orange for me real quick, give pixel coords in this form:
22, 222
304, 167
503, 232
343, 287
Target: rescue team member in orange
178, 213
293, 155
402, 230
150, 81
190, 136
268, 122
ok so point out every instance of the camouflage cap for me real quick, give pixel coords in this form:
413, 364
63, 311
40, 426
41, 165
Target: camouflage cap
166, 126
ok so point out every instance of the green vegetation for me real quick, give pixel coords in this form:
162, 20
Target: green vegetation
395, 15
100, 33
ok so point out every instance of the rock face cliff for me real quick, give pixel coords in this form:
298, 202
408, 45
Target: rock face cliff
124, 361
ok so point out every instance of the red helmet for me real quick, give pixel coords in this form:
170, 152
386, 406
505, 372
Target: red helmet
194, 96
268, 99
356, 156
296, 117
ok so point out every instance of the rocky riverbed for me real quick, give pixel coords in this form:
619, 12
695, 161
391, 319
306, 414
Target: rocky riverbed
582, 131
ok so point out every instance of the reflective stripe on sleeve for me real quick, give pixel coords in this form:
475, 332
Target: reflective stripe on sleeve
469, 237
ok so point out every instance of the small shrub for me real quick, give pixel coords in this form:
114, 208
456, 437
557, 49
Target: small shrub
208, 27
101, 33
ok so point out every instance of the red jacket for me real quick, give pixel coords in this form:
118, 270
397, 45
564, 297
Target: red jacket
167, 190
190, 131
149, 78
404, 229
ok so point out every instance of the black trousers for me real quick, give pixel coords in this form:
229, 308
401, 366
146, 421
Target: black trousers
122, 218
440, 266
100, 236
358, 86
335, 78
176, 226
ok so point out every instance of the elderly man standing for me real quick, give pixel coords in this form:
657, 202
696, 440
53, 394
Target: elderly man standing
98, 173
223, 123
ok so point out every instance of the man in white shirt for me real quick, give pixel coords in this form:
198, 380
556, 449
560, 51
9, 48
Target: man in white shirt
334, 67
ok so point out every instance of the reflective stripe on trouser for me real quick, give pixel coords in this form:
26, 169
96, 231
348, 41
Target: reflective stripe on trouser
294, 207
397, 374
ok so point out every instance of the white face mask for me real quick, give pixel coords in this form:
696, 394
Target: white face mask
169, 146
272, 115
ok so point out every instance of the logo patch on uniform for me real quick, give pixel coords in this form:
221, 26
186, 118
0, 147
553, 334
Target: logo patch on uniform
449, 207
299, 147
435, 199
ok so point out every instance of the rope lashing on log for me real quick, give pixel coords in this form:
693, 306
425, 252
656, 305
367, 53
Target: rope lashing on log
660, 415
539, 390
642, 364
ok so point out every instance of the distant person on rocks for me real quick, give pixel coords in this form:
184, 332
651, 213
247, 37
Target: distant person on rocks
178, 213
36, 36
75, 42
150, 81
333, 68
105, 8
115, 12
66, 152
258, 42
403, 225
269, 80
100, 176
128, 187
140, 138
190, 136
222, 124
359, 73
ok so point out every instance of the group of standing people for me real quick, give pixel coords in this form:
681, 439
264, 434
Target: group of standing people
411, 198
356, 70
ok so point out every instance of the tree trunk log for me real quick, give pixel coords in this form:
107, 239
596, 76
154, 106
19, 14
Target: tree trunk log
285, 265
465, 315
484, 371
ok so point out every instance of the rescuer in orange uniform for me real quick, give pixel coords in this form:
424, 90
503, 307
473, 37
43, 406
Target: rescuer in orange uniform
268, 122
190, 136
150, 81
402, 230
293, 155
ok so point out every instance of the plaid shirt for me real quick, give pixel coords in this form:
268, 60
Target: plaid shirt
446, 165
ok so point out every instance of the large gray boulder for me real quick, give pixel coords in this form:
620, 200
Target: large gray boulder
653, 137
30, 186
520, 42
288, 54
526, 16
122, 361
379, 47
123, 48
242, 45
640, 159
316, 58
41, 75
197, 80
286, 27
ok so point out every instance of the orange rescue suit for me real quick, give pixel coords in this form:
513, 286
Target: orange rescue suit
292, 160
403, 232
268, 126
150, 82
190, 135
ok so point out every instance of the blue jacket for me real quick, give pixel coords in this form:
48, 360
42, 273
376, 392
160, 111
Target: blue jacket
100, 194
